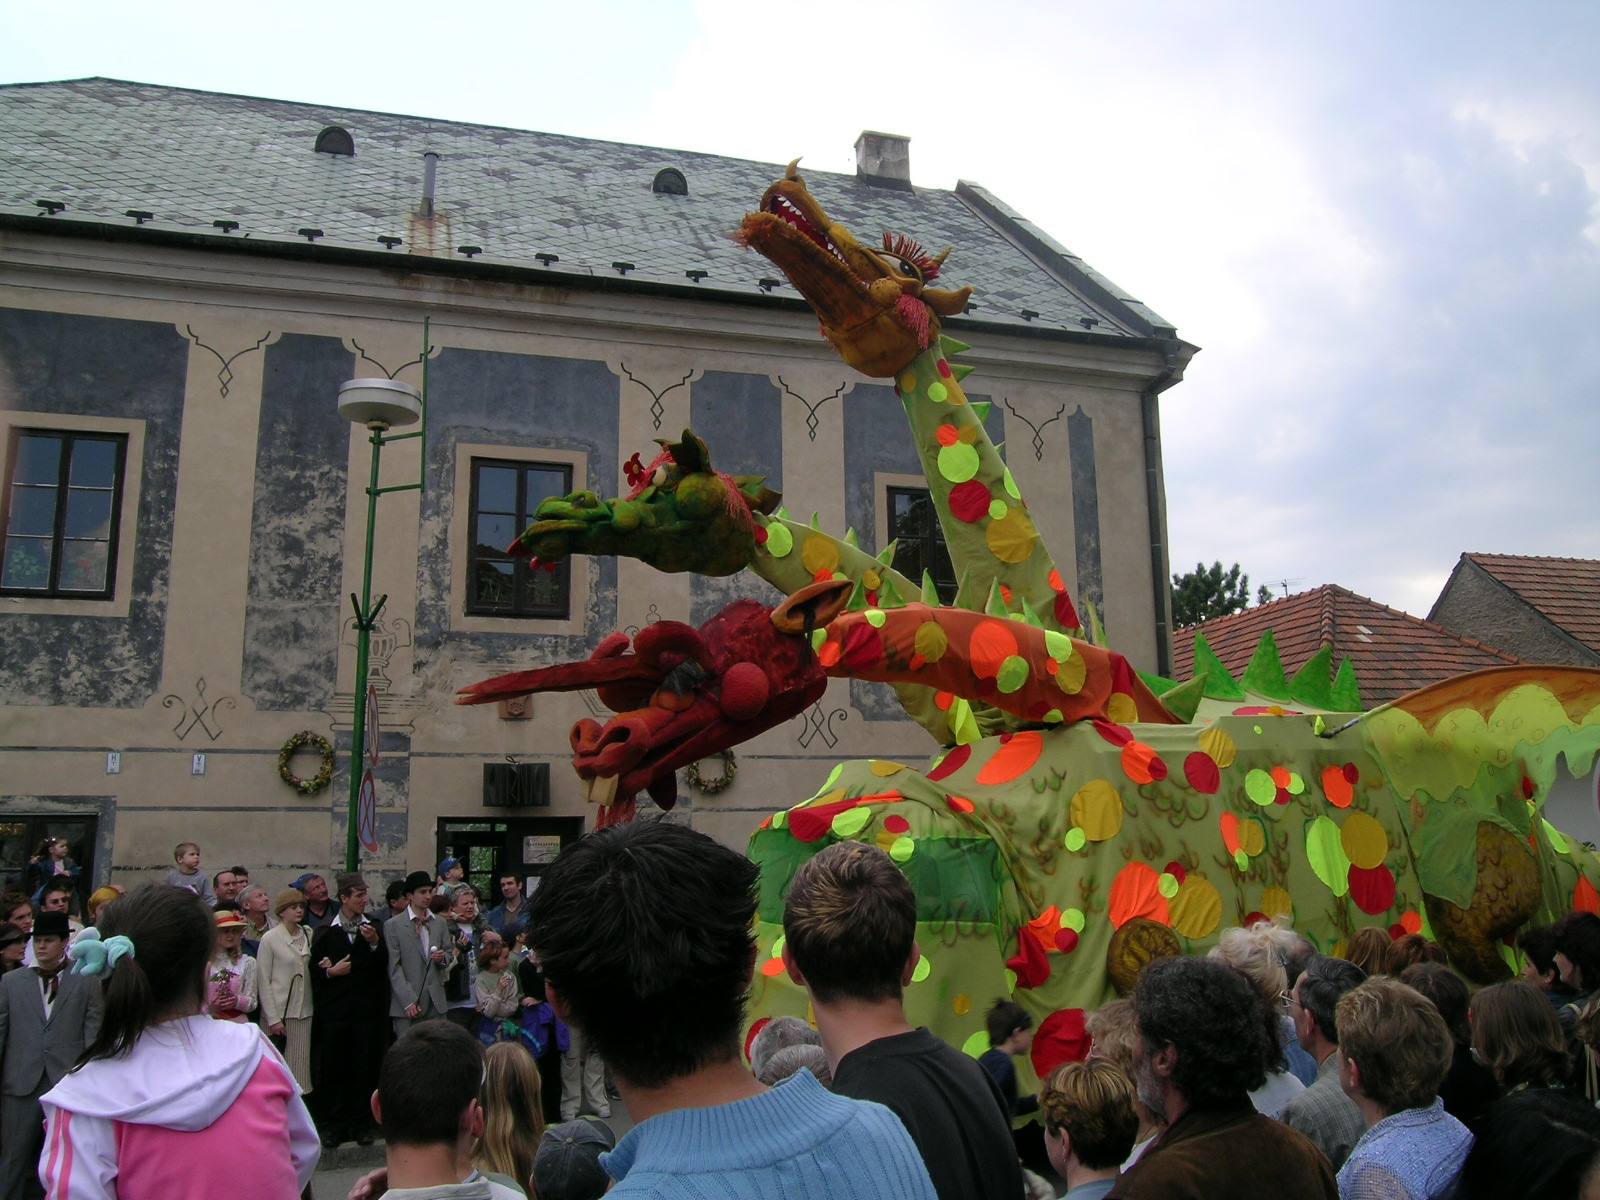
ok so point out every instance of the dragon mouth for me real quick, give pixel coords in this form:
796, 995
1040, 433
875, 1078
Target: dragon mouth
781, 207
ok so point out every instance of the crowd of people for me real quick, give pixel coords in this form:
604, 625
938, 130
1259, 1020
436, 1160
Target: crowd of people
185, 1029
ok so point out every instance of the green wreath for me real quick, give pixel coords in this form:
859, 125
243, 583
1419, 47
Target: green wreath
306, 787
730, 769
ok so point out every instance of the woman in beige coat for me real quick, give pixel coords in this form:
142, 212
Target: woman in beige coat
283, 970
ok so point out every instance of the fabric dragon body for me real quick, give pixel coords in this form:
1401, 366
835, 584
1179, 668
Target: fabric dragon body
1074, 822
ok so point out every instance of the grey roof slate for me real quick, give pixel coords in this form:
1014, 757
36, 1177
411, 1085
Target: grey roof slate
104, 146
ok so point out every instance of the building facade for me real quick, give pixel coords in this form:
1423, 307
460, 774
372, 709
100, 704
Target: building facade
185, 281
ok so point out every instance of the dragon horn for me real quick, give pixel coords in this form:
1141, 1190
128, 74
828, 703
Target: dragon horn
567, 677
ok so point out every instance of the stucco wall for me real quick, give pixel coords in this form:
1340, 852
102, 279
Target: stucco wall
1475, 604
258, 524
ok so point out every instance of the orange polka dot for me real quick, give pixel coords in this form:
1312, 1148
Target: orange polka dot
829, 654
772, 968
1280, 776
1136, 892
992, 643
1014, 759
959, 804
947, 435
1411, 919
943, 700
1336, 787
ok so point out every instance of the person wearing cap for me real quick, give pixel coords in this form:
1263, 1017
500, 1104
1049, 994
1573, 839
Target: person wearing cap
349, 983
418, 944
13, 945
450, 871
566, 1165
231, 976
47, 1017
284, 972
320, 908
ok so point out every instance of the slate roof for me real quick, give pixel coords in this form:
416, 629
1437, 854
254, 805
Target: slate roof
103, 147
1393, 652
1565, 591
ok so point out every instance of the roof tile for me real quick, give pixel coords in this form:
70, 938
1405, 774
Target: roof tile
1565, 591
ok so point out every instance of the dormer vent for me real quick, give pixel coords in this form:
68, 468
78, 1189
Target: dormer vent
336, 139
670, 181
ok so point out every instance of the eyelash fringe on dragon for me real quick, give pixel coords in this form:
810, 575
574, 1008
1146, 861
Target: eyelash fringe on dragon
1074, 824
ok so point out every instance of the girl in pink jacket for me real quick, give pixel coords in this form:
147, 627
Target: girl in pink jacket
167, 1102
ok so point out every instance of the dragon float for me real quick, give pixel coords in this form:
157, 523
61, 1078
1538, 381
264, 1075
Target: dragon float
1077, 819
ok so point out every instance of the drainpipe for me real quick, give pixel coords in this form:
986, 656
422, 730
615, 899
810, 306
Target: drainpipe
430, 166
1150, 418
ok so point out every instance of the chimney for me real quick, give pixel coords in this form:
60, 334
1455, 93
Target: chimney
883, 159
430, 165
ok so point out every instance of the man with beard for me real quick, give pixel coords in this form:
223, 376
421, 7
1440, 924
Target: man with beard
1202, 1047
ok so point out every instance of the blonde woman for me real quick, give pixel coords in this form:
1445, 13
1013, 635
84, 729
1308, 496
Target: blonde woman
283, 971
513, 1118
1254, 955
1113, 1031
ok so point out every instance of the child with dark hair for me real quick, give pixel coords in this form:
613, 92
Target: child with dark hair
1468, 1088
168, 1103
1538, 946
1010, 1034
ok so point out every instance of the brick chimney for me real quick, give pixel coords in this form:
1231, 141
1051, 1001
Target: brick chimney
883, 159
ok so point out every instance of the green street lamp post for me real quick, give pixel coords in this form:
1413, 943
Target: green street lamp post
379, 405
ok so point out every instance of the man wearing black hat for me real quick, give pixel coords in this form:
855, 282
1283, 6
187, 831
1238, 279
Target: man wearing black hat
349, 979
418, 944
567, 1164
47, 1017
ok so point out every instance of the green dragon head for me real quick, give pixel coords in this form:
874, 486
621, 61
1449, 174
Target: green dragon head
681, 515
875, 305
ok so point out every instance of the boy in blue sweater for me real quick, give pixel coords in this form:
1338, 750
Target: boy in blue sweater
644, 932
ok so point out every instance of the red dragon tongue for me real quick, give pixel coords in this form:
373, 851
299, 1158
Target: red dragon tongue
914, 315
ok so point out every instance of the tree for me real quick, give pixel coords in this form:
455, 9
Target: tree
1209, 592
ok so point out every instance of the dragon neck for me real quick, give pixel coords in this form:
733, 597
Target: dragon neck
990, 533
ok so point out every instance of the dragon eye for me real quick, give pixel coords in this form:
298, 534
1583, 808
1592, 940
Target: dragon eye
909, 269
660, 476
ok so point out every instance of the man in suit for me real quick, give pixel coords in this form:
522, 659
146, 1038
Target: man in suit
418, 945
47, 1017
349, 979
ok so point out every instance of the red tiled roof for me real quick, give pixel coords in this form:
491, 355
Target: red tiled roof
1565, 591
1393, 652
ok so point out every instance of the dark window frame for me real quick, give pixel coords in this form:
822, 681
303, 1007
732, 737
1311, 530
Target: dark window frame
522, 608
68, 437
926, 546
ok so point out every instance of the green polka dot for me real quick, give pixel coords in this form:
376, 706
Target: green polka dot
1011, 987
818, 636
1057, 645
833, 778
876, 617
902, 848
1257, 728
777, 946
779, 540
1558, 840
780, 820
923, 969
958, 463
1012, 675
1073, 919
977, 1045
1241, 860
1076, 839
1296, 784
851, 821
938, 393
997, 510
1011, 485
1167, 885
840, 575
1054, 717
1258, 785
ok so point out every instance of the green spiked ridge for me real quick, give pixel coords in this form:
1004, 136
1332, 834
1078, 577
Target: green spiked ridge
1315, 685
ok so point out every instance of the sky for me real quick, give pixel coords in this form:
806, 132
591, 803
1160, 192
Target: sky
1380, 222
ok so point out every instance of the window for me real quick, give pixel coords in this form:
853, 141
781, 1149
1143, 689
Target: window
503, 499
914, 524
62, 503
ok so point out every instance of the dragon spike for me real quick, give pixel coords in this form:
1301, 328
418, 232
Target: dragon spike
1031, 616
858, 597
886, 555
850, 538
1346, 696
950, 347
1183, 701
889, 595
960, 371
793, 170
1096, 631
1264, 675
962, 723
939, 258
816, 522
930, 594
967, 596
995, 606
1312, 684
1000, 451
1220, 683
782, 514
980, 409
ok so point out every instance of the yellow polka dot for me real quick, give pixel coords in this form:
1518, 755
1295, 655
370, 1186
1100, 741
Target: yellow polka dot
1096, 809
908, 383
1365, 843
1222, 748
819, 554
962, 1004
1011, 539
882, 768
1070, 675
1121, 708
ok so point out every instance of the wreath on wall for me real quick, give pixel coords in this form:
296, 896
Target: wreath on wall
730, 769
301, 740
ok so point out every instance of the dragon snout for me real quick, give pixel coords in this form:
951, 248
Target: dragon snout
610, 749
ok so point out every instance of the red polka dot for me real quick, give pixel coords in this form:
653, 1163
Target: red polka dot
750, 1038
1066, 615
1177, 870
951, 763
1117, 735
944, 368
1066, 940
1351, 774
1254, 918
1200, 769
1372, 890
761, 535
969, 501
863, 648
896, 824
